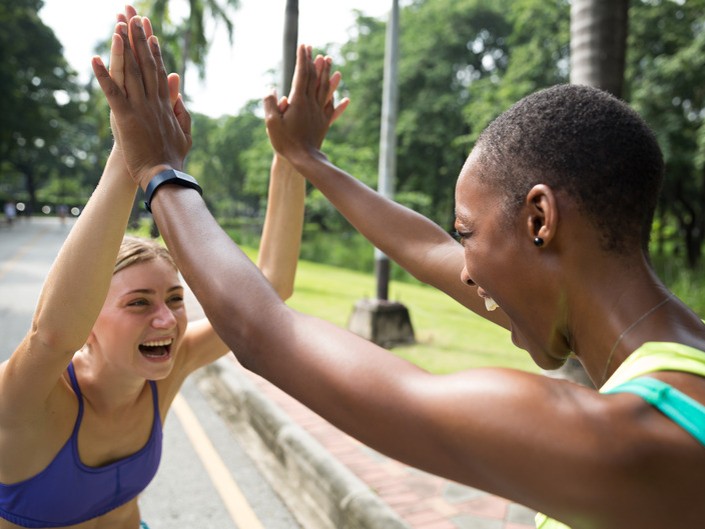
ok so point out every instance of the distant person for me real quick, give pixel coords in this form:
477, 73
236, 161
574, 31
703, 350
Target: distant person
10, 212
84, 396
62, 211
553, 209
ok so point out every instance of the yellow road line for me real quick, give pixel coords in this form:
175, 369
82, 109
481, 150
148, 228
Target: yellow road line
233, 499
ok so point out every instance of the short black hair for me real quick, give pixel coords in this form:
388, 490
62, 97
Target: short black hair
587, 143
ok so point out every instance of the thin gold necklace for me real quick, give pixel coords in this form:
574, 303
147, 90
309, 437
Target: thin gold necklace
626, 331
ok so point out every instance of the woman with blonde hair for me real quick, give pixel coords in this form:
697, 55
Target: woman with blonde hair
84, 396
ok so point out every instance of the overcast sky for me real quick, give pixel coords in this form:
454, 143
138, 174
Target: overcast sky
234, 74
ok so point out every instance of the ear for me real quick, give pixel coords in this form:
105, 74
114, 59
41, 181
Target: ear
542, 218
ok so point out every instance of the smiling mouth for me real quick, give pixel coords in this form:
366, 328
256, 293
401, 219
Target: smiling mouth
156, 348
490, 304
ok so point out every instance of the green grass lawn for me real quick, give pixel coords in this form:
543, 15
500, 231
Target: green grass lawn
449, 337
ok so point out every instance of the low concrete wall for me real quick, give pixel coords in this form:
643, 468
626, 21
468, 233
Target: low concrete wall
320, 491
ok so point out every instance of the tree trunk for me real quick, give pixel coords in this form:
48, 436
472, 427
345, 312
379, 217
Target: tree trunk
598, 42
290, 43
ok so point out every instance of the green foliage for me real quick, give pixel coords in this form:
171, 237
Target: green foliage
538, 51
449, 337
231, 157
666, 84
49, 131
185, 41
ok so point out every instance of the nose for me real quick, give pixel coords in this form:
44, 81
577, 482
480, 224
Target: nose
465, 277
163, 318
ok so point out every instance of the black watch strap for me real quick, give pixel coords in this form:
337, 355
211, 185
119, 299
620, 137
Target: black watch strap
169, 176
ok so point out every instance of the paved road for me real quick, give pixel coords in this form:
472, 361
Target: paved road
206, 480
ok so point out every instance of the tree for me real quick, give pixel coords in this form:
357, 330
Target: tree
598, 43
666, 84
187, 41
289, 44
40, 97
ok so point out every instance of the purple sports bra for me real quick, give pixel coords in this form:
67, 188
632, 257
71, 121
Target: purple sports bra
67, 492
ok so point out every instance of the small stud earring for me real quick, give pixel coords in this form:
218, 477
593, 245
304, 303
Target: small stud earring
538, 241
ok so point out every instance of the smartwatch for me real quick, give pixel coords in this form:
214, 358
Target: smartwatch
169, 176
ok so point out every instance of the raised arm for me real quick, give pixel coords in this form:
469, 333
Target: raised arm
549, 444
75, 288
416, 243
281, 235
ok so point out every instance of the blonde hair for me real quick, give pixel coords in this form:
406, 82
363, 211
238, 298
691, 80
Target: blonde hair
136, 250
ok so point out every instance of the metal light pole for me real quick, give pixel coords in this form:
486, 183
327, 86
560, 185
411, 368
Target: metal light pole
380, 320
388, 137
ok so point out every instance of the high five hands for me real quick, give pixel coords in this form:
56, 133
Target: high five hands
299, 124
152, 126
151, 123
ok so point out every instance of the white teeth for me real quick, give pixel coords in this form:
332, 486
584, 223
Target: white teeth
158, 343
490, 304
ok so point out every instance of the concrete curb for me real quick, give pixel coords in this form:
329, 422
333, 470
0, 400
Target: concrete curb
319, 490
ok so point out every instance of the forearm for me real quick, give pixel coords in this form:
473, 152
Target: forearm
76, 286
283, 223
233, 293
407, 237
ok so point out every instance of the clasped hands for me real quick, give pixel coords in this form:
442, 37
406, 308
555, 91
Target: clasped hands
152, 127
150, 122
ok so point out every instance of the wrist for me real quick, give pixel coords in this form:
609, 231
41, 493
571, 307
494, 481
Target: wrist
168, 177
145, 176
301, 159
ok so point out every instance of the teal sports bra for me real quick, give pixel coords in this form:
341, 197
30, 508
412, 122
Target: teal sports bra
674, 404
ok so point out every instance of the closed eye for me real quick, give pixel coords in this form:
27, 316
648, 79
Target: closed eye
461, 236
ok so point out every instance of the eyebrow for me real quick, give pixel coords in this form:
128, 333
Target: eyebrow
151, 291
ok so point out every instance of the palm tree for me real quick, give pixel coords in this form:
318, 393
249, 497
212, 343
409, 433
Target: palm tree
187, 42
290, 43
598, 43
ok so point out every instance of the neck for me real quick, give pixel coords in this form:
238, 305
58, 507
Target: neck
615, 314
107, 391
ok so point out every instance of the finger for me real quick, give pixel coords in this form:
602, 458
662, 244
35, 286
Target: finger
117, 59
163, 88
130, 12
298, 83
323, 86
271, 106
134, 84
113, 94
283, 104
333, 85
174, 82
183, 117
145, 59
148, 31
339, 109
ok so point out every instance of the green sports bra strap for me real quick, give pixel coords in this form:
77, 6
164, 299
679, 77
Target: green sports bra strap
676, 405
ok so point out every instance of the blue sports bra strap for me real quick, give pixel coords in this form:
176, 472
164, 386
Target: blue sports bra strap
679, 407
155, 401
74, 380
79, 396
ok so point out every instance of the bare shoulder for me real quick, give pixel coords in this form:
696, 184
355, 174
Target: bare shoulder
564, 449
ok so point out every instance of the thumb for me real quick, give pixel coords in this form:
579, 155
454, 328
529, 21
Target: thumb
271, 106
182, 115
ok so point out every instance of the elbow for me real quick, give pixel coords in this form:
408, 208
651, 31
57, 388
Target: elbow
46, 338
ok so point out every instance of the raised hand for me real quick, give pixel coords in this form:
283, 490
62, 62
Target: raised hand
151, 122
298, 124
